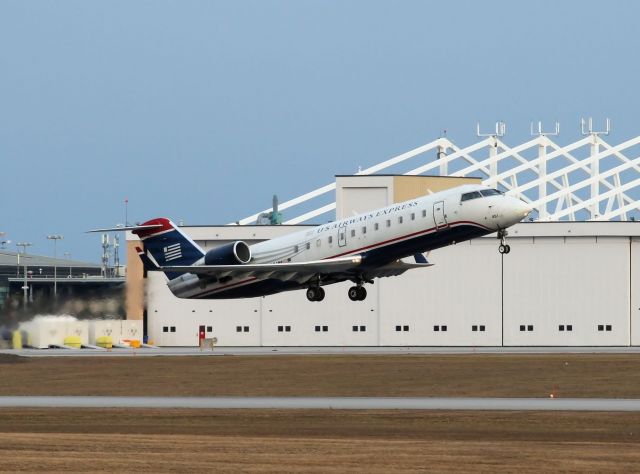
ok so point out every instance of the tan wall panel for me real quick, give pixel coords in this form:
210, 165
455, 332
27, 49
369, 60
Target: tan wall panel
135, 283
359, 200
410, 187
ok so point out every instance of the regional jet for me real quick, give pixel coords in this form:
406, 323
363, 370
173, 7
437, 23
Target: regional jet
359, 249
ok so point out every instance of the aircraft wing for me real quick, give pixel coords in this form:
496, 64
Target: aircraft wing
283, 271
396, 268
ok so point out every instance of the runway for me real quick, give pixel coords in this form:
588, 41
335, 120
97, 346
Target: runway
328, 403
332, 350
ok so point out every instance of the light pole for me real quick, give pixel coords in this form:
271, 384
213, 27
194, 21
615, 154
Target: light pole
25, 287
55, 239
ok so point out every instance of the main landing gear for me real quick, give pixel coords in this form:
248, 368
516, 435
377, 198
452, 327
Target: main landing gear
357, 293
503, 247
315, 293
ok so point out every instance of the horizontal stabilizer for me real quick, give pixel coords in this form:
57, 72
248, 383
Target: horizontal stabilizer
124, 228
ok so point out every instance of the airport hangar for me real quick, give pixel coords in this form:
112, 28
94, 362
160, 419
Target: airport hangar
572, 277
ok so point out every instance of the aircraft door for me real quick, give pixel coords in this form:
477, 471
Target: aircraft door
438, 215
342, 236
201, 335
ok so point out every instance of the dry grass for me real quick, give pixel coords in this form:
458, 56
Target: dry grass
315, 441
56, 440
482, 375
179, 453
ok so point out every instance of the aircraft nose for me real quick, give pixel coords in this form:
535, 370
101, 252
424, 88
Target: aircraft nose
523, 208
519, 209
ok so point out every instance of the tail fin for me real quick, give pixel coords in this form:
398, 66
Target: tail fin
168, 245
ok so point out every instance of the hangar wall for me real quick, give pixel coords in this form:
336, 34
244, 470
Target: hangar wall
563, 284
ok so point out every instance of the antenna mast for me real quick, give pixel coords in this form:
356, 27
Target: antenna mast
104, 271
116, 255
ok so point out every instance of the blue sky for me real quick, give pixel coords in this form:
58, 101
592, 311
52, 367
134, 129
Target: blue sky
201, 110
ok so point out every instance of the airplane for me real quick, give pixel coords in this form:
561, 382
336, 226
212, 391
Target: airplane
359, 249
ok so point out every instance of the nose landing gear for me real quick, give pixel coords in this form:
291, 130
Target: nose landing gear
503, 248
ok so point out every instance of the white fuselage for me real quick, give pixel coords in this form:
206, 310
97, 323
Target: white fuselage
382, 235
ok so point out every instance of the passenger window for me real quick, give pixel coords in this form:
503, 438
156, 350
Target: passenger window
308, 245
330, 239
353, 233
388, 222
424, 213
400, 220
318, 243
375, 226
413, 216
364, 230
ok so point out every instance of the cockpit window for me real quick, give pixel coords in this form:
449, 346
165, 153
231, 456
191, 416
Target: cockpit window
469, 196
481, 193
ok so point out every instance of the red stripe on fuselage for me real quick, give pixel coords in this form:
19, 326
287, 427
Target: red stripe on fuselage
369, 247
407, 236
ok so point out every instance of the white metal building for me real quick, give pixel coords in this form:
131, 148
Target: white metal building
562, 284
571, 279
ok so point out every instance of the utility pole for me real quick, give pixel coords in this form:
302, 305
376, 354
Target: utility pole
25, 287
55, 239
68, 257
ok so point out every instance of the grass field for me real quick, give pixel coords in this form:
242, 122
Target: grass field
481, 375
57, 440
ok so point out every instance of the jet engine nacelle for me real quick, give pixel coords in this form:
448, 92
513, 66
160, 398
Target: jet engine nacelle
233, 253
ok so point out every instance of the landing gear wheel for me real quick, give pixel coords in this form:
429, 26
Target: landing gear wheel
311, 294
353, 293
315, 293
357, 293
503, 247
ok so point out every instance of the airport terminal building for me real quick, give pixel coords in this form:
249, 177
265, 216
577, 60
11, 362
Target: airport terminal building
569, 280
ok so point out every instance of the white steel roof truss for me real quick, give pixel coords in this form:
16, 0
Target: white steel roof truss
564, 199
578, 165
331, 187
588, 170
600, 197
